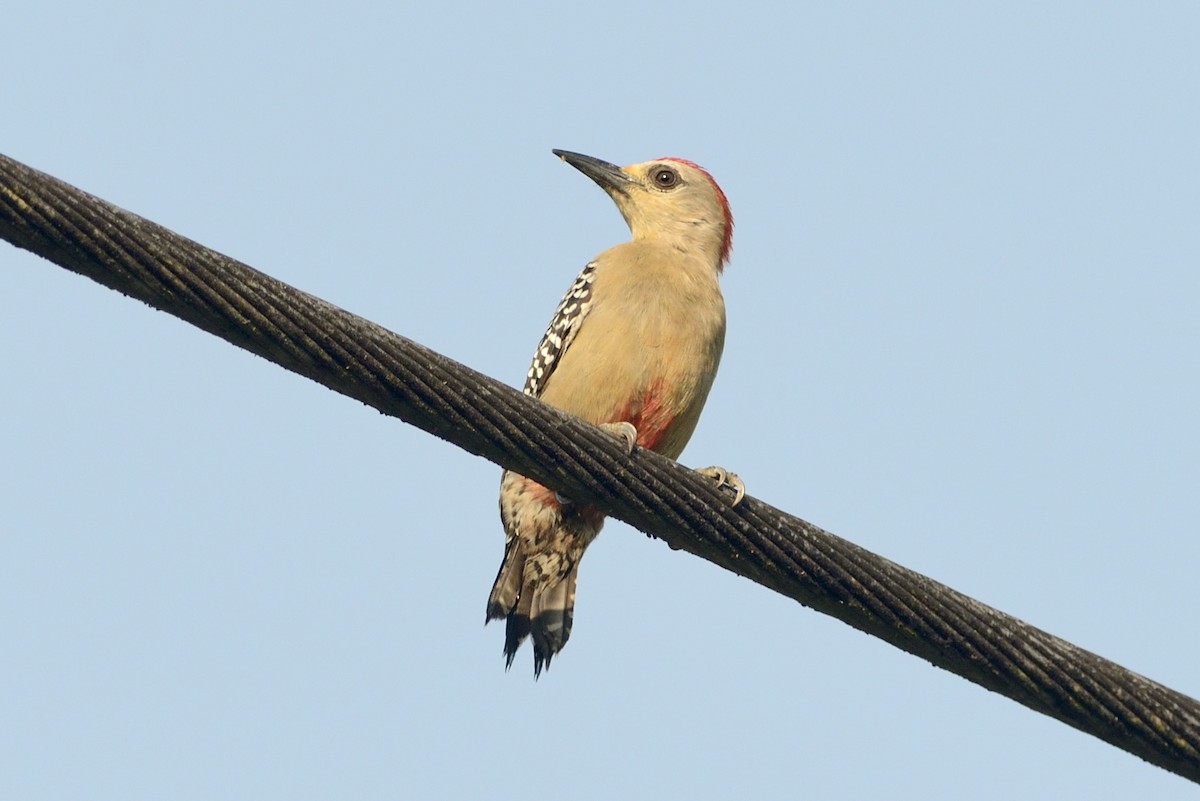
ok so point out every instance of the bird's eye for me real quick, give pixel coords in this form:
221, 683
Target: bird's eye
665, 178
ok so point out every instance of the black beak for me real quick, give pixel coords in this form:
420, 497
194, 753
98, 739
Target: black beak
608, 176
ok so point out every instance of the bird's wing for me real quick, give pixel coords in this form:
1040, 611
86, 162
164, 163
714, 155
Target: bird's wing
568, 317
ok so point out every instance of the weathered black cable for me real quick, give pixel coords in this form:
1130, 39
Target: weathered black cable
401, 378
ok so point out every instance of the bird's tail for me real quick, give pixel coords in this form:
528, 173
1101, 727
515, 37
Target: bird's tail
536, 596
509, 602
551, 613
545, 537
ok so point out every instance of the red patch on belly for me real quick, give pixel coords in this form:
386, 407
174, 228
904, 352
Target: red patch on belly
649, 415
540, 494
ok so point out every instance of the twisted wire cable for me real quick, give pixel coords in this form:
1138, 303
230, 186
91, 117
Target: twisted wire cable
401, 378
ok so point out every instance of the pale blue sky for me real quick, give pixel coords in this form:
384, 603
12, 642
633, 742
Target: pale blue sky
962, 333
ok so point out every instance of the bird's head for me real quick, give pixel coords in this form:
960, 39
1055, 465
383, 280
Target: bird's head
667, 198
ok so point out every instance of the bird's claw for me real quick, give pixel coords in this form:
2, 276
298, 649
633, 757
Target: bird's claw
623, 431
726, 479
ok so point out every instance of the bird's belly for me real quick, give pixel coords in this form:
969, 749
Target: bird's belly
659, 383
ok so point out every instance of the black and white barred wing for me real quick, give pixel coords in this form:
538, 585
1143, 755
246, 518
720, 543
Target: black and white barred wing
563, 328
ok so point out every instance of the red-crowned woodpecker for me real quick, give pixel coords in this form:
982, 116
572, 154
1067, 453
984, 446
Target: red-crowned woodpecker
633, 347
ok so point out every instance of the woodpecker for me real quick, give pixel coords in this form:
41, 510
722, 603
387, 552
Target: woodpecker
633, 347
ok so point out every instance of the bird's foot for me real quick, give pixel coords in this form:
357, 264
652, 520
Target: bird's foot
726, 479
623, 431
